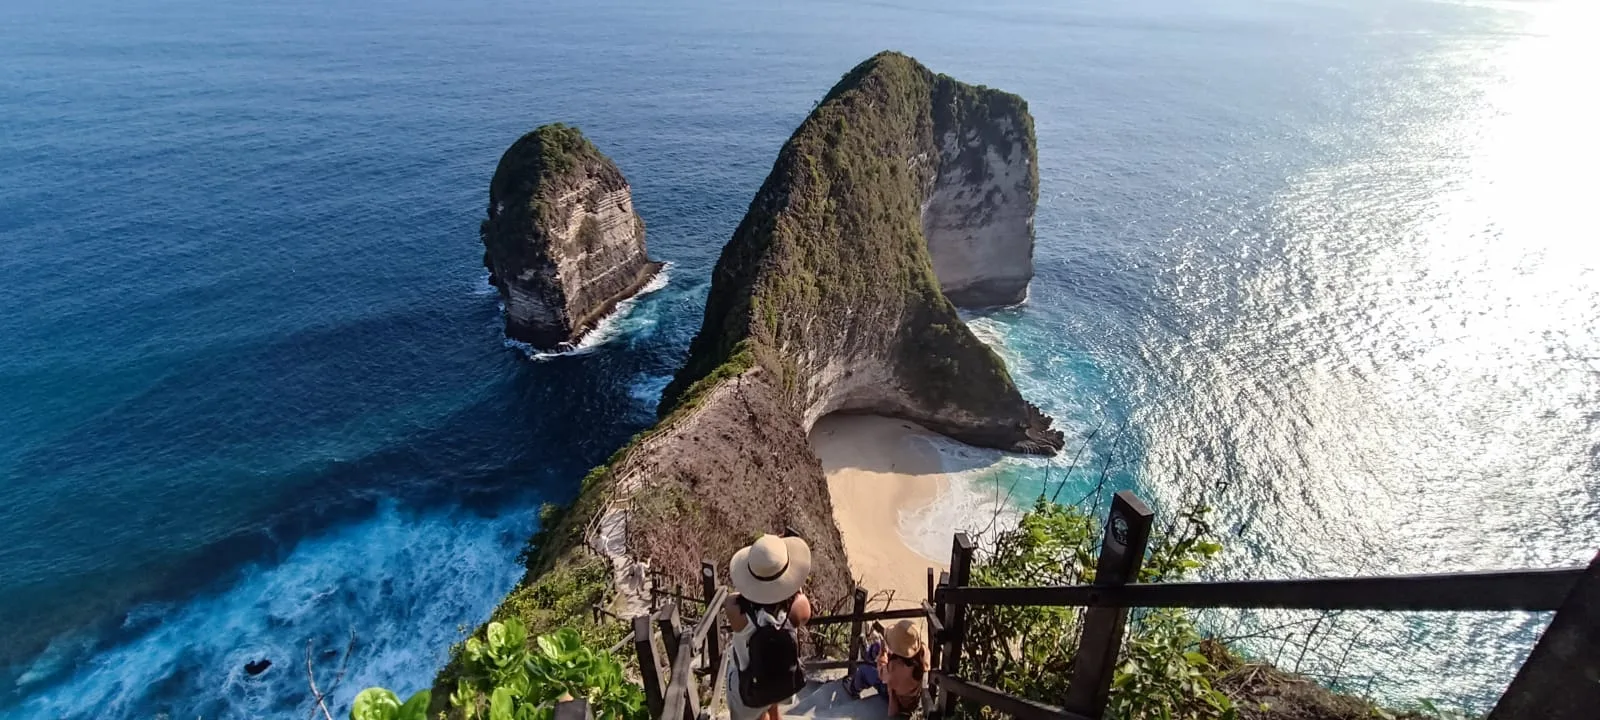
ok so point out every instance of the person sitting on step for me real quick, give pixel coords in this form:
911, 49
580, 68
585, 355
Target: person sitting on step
865, 674
902, 665
764, 613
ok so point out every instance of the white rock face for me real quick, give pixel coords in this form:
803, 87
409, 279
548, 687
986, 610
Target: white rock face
978, 218
564, 247
597, 245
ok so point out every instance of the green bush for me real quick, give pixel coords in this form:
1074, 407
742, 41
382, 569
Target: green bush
381, 704
505, 677
1030, 651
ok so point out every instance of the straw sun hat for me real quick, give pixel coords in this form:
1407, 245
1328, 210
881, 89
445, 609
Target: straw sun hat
904, 638
771, 570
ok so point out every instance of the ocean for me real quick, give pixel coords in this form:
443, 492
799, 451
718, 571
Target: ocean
1326, 265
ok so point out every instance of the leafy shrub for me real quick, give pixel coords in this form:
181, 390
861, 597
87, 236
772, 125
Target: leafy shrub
505, 677
523, 681
1163, 675
1030, 651
381, 704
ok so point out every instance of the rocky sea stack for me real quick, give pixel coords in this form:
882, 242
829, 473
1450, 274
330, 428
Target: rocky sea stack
904, 194
902, 191
562, 242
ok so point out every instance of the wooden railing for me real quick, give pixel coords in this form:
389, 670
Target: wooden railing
1557, 682
676, 693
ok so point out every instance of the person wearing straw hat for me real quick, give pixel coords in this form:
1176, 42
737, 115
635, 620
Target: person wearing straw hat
769, 605
902, 665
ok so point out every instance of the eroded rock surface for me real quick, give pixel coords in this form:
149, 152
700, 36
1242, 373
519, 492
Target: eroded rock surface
978, 217
902, 191
562, 241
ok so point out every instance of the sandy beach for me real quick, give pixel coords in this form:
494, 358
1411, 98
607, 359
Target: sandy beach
877, 468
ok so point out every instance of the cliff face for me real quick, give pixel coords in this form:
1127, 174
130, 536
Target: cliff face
900, 183
978, 216
562, 242
825, 300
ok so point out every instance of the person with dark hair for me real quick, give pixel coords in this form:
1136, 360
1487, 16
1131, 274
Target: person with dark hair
764, 669
865, 674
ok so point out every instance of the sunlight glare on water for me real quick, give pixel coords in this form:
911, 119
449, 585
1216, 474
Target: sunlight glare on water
1393, 365
1328, 260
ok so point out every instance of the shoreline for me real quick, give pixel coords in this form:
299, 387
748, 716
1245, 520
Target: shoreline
879, 471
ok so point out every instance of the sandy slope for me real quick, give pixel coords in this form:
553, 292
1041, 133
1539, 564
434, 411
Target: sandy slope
879, 468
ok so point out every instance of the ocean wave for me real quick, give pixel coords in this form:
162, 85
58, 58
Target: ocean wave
969, 502
400, 582
620, 322
646, 391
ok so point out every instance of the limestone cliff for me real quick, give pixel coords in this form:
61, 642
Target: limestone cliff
901, 181
978, 214
562, 242
825, 300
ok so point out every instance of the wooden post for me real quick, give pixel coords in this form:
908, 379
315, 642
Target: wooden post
647, 665
955, 618
936, 651
655, 592
577, 709
708, 588
671, 632
1121, 554
1561, 678
857, 607
691, 693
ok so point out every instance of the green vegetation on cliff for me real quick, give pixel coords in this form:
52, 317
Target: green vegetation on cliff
829, 265
547, 151
536, 167
835, 233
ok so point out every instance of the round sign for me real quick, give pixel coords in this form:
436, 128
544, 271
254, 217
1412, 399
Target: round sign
1119, 529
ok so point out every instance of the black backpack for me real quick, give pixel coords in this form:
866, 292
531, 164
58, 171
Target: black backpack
774, 674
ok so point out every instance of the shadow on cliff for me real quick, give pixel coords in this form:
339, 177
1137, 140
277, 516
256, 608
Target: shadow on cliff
899, 460
242, 451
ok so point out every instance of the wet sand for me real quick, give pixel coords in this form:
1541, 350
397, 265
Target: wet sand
879, 468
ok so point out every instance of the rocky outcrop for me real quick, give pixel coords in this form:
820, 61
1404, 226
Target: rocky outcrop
562, 241
901, 188
978, 216
827, 299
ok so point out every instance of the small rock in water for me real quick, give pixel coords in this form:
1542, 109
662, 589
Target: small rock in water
257, 667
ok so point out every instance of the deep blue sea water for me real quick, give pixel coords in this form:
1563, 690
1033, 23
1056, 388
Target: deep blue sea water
1329, 261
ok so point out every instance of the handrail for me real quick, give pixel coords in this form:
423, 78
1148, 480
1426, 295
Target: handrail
842, 618
709, 620
1474, 591
677, 700
1006, 703
1573, 592
680, 701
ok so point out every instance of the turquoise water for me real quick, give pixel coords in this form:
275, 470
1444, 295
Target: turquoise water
1326, 261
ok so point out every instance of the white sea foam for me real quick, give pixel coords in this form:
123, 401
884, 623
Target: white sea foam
402, 582
647, 391
482, 287
621, 321
987, 490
